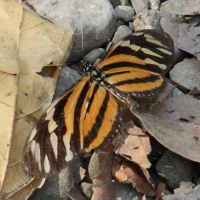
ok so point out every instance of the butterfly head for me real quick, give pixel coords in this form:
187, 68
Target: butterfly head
94, 73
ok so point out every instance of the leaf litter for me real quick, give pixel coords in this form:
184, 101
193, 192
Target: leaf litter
29, 43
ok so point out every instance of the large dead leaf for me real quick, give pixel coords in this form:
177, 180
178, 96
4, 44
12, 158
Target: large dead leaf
175, 123
28, 43
184, 30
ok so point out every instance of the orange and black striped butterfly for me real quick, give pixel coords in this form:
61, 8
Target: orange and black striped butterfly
88, 115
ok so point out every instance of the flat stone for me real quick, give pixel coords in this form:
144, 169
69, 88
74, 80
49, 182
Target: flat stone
121, 32
174, 169
124, 13
92, 21
187, 73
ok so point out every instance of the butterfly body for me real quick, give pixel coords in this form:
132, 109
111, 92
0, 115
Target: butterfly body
89, 115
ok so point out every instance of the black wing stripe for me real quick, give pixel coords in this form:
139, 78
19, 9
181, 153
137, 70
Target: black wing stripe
75, 138
92, 134
151, 78
107, 69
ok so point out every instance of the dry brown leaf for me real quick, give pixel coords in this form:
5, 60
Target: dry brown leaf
82, 172
30, 43
100, 173
175, 123
182, 7
186, 191
8, 88
136, 146
184, 31
132, 173
160, 191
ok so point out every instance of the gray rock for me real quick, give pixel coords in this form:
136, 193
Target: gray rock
66, 79
126, 192
140, 5
131, 26
187, 73
92, 21
174, 169
115, 3
124, 13
93, 55
121, 32
49, 191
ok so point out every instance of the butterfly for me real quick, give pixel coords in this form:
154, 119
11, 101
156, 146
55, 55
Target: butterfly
89, 115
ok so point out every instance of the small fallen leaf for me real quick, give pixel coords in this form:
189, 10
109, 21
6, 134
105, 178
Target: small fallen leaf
132, 173
82, 172
160, 191
135, 146
100, 173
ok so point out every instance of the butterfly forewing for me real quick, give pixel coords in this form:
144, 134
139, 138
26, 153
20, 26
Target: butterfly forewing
103, 118
137, 63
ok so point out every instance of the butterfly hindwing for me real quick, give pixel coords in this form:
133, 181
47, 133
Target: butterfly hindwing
137, 63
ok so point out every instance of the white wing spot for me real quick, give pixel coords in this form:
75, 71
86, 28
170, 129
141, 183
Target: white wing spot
66, 140
50, 114
38, 156
33, 146
147, 51
132, 46
32, 135
54, 143
153, 41
52, 125
47, 165
138, 33
165, 51
150, 61
87, 102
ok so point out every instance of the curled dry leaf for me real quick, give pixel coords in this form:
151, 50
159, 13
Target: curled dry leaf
175, 123
29, 43
135, 147
132, 173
